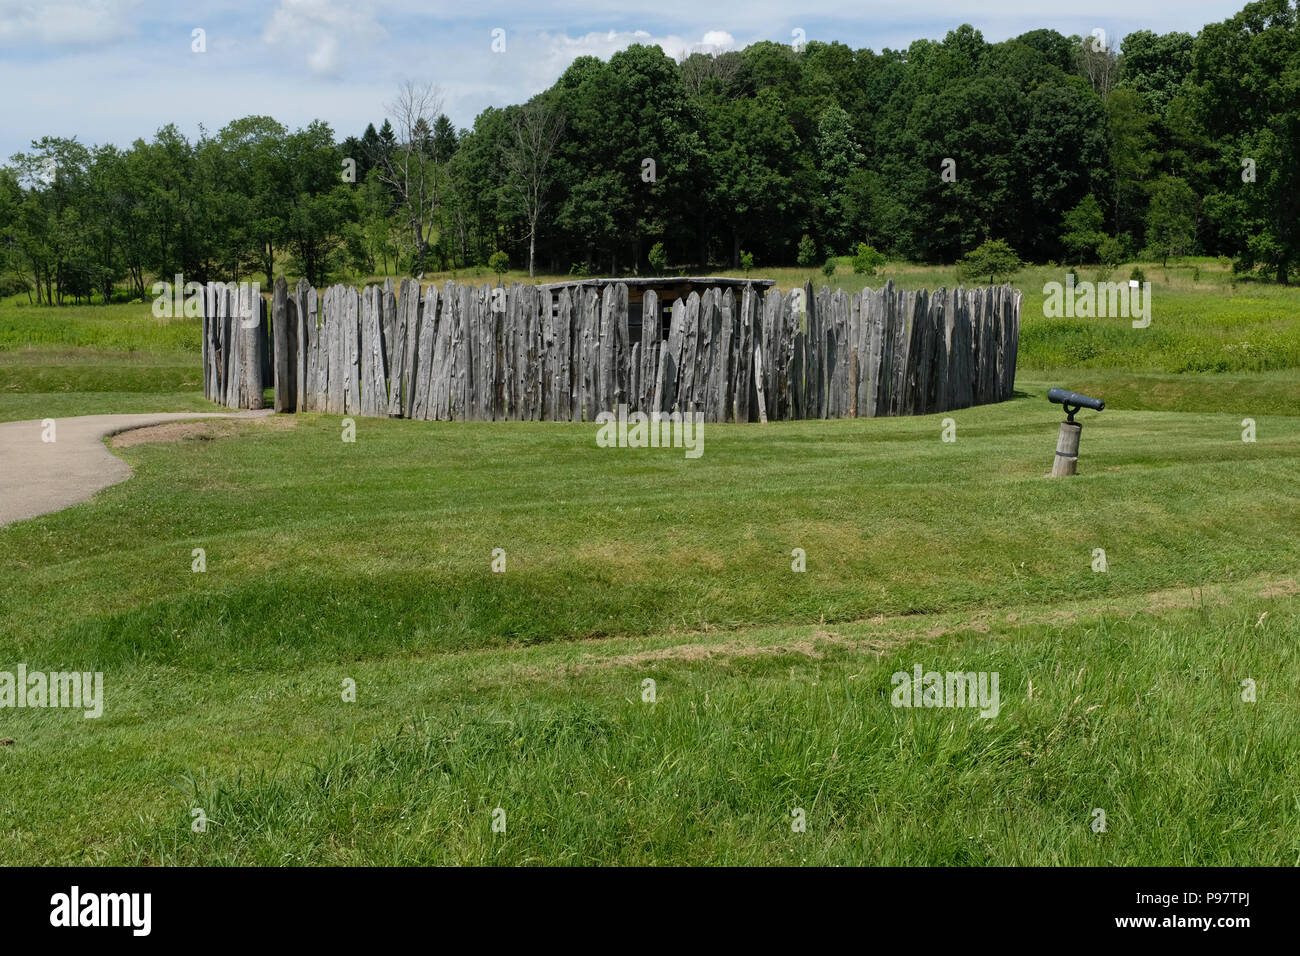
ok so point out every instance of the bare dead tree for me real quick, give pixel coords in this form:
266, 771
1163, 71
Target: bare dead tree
709, 63
1097, 62
526, 154
413, 166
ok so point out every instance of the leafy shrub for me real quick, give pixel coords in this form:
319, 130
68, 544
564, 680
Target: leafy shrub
658, 257
1110, 251
12, 285
866, 260
807, 251
993, 258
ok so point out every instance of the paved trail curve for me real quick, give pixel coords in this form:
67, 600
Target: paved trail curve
38, 477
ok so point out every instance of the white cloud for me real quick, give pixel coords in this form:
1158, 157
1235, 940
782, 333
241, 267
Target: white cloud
563, 50
63, 22
551, 54
325, 33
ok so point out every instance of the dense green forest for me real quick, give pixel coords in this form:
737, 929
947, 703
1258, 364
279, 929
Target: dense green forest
1071, 149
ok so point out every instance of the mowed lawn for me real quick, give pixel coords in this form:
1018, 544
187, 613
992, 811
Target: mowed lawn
371, 561
96, 359
520, 697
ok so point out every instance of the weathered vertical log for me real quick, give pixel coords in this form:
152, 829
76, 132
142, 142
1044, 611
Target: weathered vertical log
374, 398
281, 382
874, 304
332, 345
724, 369
819, 355
669, 376
610, 346
651, 336
307, 300
203, 344
839, 351
234, 349
943, 390
606, 353
989, 347
854, 371
410, 308
352, 352
925, 362
534, 317
704, 332
331, 354
512, 366
902, 343
621, 382
424, 363
463, 359
561, 363
264, 339
859, 335
742, 370
938, 361
1013, 349
963, 395
537, 306
835, 354
689, 374
634, 377
790, 397
217, 346
547, 337
298, 296
252, 325
209, 340
498, 302
920, 353
588, 353
770, 339
221, 343
441, 377
485, 353
291, 360
706, 383
977, 346
317, 360
392, 350
388, 320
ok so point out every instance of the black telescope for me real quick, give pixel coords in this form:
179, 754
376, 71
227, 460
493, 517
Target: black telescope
1073, 401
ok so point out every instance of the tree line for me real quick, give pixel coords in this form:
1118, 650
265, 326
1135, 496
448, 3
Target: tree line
1069, 149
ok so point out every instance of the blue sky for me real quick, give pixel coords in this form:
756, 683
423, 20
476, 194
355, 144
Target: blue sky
115, 70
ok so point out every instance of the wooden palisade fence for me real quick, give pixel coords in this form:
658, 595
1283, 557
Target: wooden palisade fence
564, 354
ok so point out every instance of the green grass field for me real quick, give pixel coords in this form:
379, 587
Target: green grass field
524, 692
